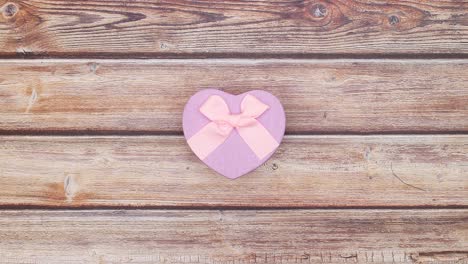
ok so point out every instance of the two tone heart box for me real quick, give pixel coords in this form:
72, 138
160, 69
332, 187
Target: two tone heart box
233, 134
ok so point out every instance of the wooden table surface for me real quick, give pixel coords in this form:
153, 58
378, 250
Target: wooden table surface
94, 167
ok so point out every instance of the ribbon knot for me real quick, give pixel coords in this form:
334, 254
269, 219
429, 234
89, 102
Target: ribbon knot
226, 124
211, 136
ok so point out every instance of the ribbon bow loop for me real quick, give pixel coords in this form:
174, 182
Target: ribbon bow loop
215, 108
211, 136
253, 107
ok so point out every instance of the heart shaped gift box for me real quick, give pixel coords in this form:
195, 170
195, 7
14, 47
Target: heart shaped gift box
233, 134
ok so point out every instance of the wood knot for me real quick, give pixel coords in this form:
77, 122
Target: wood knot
318, 11
70, 188
393, 20
9, 10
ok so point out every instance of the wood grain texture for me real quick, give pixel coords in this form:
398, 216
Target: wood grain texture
306, 171
286, 236
54, 27
319, 96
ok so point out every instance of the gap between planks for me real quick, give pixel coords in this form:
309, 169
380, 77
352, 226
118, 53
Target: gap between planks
247, 56
14, 208
139, 133
230, 56
246, 60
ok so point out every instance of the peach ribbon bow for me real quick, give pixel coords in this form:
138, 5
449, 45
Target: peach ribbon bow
211, 136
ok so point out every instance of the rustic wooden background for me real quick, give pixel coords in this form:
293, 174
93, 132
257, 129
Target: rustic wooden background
94, 167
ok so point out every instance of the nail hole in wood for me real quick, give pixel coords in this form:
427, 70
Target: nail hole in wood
393, 20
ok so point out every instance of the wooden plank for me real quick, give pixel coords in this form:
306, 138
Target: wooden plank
285, 236
53, 27
306, 172
319, 96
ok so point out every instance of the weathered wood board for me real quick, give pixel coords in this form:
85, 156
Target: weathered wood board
319, 96
278, 236
374, 168
306, 172
231, 28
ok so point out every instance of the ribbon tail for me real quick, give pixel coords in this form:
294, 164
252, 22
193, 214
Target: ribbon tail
258, 138
206, 140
